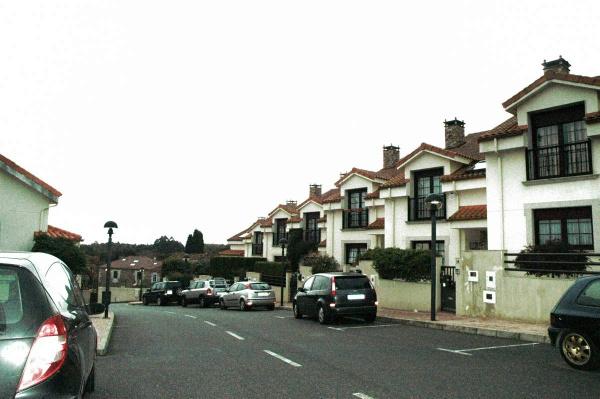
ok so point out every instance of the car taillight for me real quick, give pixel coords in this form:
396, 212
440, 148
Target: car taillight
47, 354
333, 292
209, 292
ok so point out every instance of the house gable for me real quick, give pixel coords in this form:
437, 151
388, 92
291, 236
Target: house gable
428, 160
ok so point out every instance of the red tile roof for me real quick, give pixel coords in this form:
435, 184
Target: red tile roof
397, 181
323, 244
464, 173
470, 212
232, 252
56, 232
322, 219
333, 196
548, 77
369, 174
295, 219
592, 117
10, 164
136, 263
373, 195
266, 222
507, 128
291, 209
378, 224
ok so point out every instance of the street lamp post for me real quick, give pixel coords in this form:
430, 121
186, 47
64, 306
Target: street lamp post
141, 282
434, 202
110, 225
282, 242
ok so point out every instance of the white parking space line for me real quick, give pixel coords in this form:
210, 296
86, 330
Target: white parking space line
283, 359
464, 351
209, 323
375, 326
190, 316
234, 335
362, 395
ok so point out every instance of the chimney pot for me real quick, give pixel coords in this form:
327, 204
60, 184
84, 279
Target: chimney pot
559, 65
454, 133
314, 190
391, 155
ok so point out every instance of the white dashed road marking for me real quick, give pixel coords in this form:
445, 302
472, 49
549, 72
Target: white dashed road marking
234, 335
209, 323
284, 317
283, 359
193, 317
464, 351
362, 395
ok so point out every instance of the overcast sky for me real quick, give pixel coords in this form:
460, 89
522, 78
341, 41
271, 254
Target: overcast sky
166, 116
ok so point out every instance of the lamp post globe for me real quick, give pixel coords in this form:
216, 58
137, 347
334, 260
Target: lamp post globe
110, 225
282, 243
434, 202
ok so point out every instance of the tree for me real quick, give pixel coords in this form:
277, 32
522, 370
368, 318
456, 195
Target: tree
195, 243
179, 270
298, 248
165, 246
63, 249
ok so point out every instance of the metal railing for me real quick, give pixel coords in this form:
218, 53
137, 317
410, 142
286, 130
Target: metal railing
560, 160
418, 209
312, 236
355, 218
277, 237
550, 266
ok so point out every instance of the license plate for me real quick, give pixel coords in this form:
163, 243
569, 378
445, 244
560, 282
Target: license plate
263, 294
356, 296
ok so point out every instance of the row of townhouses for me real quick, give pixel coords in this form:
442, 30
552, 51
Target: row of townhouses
530, 180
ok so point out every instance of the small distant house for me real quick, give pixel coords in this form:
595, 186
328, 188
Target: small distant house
130, 271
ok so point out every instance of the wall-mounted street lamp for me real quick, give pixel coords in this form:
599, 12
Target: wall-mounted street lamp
110, 225
282, 243
434, 203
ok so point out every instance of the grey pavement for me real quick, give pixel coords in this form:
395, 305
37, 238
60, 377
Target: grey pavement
160, 352
104, 329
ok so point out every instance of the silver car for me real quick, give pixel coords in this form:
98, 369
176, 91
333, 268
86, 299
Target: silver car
202, 292
246, 295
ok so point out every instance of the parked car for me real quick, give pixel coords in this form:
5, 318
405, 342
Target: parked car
163, 293
247, 295
47, 341
575, 324
202, 292
327, 296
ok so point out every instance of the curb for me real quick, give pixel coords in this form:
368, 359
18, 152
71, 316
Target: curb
489, 332
102, 348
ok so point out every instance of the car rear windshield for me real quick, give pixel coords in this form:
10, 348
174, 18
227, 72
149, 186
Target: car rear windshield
173, 284
352, 283
218, 284
260, 286
23, 304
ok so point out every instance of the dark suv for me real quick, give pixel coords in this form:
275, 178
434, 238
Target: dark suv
47, 341
163, 293
327, 296
575, 324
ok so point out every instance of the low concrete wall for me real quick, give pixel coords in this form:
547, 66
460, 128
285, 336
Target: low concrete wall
402, 295
518, 296
119, 294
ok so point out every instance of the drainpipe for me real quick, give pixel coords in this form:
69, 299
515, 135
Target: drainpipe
501, 176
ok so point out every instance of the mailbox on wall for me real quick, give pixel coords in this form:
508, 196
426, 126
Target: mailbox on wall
473, 276
490, 280
489, 297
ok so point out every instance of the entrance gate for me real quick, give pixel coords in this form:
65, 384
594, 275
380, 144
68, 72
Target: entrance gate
448, 284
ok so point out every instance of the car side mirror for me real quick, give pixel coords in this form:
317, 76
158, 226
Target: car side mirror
95, 308
301, 289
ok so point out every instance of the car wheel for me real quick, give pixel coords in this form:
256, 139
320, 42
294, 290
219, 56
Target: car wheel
159, 301
145, 301
370, 318
183, 302
322, 315
90, 384
222, 304
296, 311
202, 302
579, 351
243, 306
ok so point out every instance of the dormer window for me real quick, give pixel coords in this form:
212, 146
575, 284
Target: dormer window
560, 144
426, 182
280, 231
356, 215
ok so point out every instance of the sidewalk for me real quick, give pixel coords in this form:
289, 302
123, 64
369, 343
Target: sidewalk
104, 329
523, 331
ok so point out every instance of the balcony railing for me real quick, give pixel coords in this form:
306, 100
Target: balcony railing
257, 249
418, 209
559, 161
355, 218
312, 236
277, 237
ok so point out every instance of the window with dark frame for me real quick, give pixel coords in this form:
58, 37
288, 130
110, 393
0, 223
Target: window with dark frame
426, 182
356, 215
426, 246
572, 226
257, 243
353, 251
560, 144
280, 231
311, 227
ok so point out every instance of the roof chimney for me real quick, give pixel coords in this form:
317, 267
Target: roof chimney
291, 203
455, 133
314, 190
560, 65
391, 155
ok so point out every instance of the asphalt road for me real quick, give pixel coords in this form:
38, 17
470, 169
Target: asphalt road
174, 352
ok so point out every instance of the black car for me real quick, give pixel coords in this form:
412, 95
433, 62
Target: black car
327, 296
575, 324
47, 341
163, 293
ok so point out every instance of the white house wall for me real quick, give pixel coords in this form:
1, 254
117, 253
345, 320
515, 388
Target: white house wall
356, 182
23, 211
311, 207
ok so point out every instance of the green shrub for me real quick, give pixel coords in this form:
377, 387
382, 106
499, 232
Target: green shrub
405, 264
321, 263
231, 266
268, 268
550, 252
